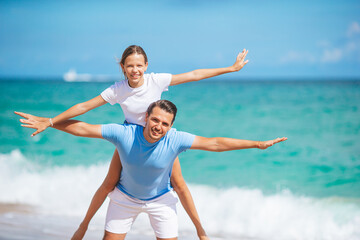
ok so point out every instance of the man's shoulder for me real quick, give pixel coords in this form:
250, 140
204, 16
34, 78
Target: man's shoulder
180, 140
174, 133
115, 130
117, 126
132, 125
127, 125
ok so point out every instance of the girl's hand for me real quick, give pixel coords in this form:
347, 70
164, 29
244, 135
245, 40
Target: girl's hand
31, 121
80, 232
266, 144
201, 233
204, 238
240, 61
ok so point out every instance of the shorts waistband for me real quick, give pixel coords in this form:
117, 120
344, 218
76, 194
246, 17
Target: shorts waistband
130, 198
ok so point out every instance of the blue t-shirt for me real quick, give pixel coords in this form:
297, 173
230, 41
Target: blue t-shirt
146, 167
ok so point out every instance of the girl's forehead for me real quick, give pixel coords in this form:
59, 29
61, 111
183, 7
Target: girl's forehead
135, 57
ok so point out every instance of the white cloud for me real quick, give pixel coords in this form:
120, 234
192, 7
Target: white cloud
294, 56
332, 55
324, 44
353, 29
350, 50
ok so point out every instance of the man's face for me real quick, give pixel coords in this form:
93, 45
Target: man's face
158, 123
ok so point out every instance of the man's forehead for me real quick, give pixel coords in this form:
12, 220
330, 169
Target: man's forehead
157, 111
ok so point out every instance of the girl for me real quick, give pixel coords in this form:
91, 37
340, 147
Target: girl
135, 94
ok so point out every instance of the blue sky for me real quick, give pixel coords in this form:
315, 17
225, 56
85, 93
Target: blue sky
286, 39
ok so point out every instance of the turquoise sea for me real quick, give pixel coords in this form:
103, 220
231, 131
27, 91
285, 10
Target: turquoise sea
305, 188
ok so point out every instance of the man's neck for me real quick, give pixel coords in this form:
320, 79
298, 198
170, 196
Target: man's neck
147, 137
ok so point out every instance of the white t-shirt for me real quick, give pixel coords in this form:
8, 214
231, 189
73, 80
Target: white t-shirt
135, 101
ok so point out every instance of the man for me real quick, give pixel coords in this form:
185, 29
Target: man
147, 155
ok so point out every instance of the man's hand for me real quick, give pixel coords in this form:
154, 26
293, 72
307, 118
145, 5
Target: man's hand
266, 144
31, 121
240, 61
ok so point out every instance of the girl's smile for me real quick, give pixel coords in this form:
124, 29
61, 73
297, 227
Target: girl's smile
134, 69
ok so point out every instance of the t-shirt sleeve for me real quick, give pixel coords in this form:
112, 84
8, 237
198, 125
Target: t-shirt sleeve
112, 132
111, 93
184, 140
162, 80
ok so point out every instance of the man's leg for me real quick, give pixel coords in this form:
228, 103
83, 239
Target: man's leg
163, 216
121, 214
166, 238
113, 236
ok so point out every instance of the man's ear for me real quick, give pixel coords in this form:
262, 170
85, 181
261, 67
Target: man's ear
146, 116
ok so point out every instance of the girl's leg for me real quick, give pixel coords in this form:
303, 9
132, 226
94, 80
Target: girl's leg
113, 236
106, 187
182, 190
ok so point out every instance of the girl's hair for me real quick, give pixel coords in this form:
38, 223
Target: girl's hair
131, 50
165, 105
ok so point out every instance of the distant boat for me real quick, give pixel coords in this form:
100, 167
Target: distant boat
72, 76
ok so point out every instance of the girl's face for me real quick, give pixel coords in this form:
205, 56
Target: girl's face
134, 69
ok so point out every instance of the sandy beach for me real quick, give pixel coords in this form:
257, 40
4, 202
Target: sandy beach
22, 222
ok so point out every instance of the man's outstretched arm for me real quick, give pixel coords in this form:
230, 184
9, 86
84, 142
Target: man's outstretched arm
73, 127
220, 144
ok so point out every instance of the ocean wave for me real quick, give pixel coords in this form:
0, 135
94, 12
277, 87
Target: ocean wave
68, 189
232, 213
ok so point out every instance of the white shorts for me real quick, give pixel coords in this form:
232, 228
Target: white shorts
123, 210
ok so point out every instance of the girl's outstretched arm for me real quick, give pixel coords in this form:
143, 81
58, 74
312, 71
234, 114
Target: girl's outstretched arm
183, 192
200, 74
72, 112
98, 199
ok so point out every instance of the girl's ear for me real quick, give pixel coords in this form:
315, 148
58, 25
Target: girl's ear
123, 69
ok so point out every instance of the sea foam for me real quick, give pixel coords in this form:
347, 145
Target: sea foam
231, 213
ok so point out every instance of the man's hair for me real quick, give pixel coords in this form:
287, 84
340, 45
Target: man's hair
165, 105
